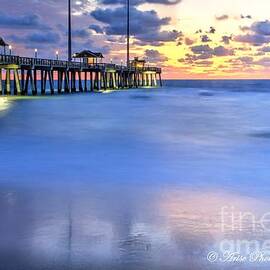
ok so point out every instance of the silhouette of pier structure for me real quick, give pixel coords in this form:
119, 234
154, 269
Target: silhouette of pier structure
31, 76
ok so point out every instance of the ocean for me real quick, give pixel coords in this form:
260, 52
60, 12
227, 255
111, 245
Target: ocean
170, 178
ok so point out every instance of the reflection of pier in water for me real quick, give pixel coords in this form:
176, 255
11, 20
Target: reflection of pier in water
81, 230
70, 76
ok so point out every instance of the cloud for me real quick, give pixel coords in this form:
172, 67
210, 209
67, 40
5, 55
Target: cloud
204, 63
29, 21
205, 38
160, 36
141, 21
254, 39
247, 60
205, 51
259, 34
222, 51
34, 39
117, 39
140, 2
200, 49
80, 33
265, 61
189, 41
97, 28
202, 55
154, 56
49, 38
222, 17
265, 49
191, 58
145, 43
243, 49
212, 30
245, 16
226, 39
244, 28
89, 44
145, 25
261, 28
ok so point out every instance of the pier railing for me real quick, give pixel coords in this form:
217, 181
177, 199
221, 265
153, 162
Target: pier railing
31, 62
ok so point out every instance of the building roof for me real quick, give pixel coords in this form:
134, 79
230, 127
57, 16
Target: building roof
136, 59
99, 55
2, 42
88, 54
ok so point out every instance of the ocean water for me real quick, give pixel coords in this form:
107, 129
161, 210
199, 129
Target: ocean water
138, 179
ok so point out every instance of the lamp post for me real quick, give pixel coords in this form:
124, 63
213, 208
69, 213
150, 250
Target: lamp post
10, 49
111, 60
121, 63
36, 52
128, 30
69, 32
57, 55
73, 57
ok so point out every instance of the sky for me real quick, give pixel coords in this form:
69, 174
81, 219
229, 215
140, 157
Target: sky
189, 39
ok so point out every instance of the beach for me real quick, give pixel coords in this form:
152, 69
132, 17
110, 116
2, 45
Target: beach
134, 179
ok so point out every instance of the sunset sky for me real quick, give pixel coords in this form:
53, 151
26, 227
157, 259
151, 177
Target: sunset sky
188, 38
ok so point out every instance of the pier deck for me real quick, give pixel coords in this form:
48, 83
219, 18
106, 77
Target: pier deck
18, 74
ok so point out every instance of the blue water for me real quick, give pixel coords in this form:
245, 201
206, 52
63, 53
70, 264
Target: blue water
221, 85
132, 179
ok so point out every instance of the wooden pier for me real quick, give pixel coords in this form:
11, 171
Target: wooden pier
31, 76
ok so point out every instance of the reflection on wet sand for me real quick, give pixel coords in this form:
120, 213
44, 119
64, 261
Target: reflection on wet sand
81, 229
5, 104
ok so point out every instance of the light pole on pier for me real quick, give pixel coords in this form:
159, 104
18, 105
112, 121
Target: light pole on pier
36, 51
69, 32
128, 30
10, 49
57, 55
